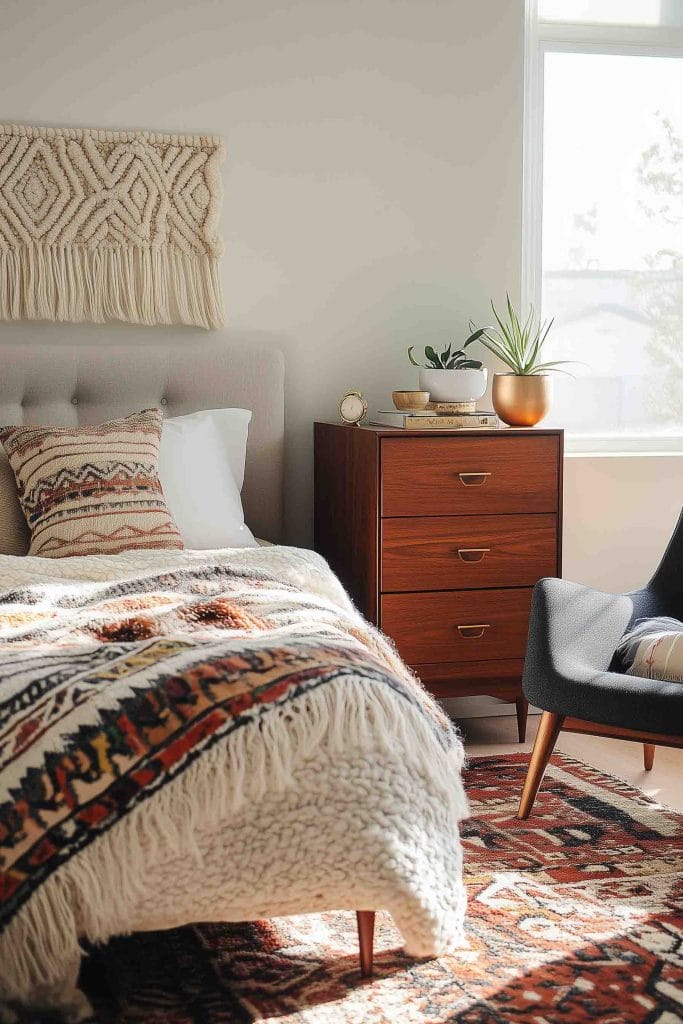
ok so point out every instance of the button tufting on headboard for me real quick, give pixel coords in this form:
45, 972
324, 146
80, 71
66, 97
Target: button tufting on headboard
68, 384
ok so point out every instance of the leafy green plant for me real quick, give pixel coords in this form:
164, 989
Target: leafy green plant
450, 358
520, 345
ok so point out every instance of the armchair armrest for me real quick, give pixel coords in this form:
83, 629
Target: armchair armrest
573, 631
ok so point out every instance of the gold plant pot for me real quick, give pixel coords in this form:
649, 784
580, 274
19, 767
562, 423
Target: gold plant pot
522, 401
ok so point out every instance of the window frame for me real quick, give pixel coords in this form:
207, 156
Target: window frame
543, 37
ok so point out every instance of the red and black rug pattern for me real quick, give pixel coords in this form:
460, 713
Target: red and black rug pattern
575, 915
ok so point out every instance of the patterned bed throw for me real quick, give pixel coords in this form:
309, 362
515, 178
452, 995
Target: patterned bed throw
208, 735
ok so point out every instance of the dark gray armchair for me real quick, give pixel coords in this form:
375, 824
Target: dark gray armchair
571, 673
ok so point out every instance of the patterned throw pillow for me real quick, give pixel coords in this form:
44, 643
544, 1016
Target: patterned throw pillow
92, 490
654, 649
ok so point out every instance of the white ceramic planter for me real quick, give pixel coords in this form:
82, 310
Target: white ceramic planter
454, 385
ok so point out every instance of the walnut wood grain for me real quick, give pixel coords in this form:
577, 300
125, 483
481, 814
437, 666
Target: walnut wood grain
366, 938
459, 552
351, 469
546, 738
548, 731
431, 627
637, 735
522, 709
346, 514
432, 476
499, 678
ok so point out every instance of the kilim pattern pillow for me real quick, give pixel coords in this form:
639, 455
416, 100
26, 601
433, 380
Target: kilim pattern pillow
92, 490
654, 649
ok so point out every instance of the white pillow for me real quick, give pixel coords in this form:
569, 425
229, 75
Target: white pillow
654, 649
201, 468
233, 428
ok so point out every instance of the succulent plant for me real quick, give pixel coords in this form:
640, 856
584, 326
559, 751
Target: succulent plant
451, 358
519, 345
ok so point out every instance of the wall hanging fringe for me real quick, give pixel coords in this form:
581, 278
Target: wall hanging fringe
101, 225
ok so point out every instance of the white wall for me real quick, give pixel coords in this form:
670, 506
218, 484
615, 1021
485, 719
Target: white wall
372, 195
373, 175
619, 512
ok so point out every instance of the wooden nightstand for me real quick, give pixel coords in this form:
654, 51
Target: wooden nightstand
439, 539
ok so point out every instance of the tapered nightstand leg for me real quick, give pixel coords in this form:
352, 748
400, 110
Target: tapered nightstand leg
366, 939
546, 738
648, 755
522, 714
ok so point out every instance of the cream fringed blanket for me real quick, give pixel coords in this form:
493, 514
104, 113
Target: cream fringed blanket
102, 225
204, 736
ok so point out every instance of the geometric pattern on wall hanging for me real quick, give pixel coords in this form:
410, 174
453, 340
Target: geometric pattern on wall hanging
107, 225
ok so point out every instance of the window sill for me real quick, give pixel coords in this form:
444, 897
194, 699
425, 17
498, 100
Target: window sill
622, 447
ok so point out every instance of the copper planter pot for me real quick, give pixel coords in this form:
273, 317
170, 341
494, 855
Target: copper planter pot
522, 401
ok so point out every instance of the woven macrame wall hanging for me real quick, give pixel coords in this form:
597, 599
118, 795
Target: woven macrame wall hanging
100, 225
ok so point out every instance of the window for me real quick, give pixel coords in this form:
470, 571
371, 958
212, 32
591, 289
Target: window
604, 214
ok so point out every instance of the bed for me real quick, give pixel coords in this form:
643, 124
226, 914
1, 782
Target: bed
244, 746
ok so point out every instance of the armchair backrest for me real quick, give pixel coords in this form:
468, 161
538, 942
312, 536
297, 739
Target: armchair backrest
663, 595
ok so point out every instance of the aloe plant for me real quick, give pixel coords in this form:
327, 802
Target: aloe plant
450, 358
520, 346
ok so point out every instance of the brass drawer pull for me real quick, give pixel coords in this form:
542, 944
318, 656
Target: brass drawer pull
473, 632
473, 479
472, 554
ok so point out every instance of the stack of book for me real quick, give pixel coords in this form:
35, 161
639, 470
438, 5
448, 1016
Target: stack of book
439, 416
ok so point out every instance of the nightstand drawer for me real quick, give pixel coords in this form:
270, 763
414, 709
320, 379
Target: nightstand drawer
436, 476
457, 552
459, 626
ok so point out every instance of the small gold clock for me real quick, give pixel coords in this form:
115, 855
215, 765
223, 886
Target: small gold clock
352, 407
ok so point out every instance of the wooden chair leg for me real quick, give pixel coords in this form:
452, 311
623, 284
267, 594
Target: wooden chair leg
522, 714
366, 938
648, 755
546, 738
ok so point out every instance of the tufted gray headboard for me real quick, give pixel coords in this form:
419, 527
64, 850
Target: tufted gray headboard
63, 385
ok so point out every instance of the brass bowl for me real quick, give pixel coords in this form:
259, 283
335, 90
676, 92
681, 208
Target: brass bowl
522, 401
410, 401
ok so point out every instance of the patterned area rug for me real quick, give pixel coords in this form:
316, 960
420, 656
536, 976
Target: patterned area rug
574, 916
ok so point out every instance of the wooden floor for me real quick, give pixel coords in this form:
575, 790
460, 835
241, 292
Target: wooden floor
618, 757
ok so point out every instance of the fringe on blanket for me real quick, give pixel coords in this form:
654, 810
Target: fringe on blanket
349, 715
